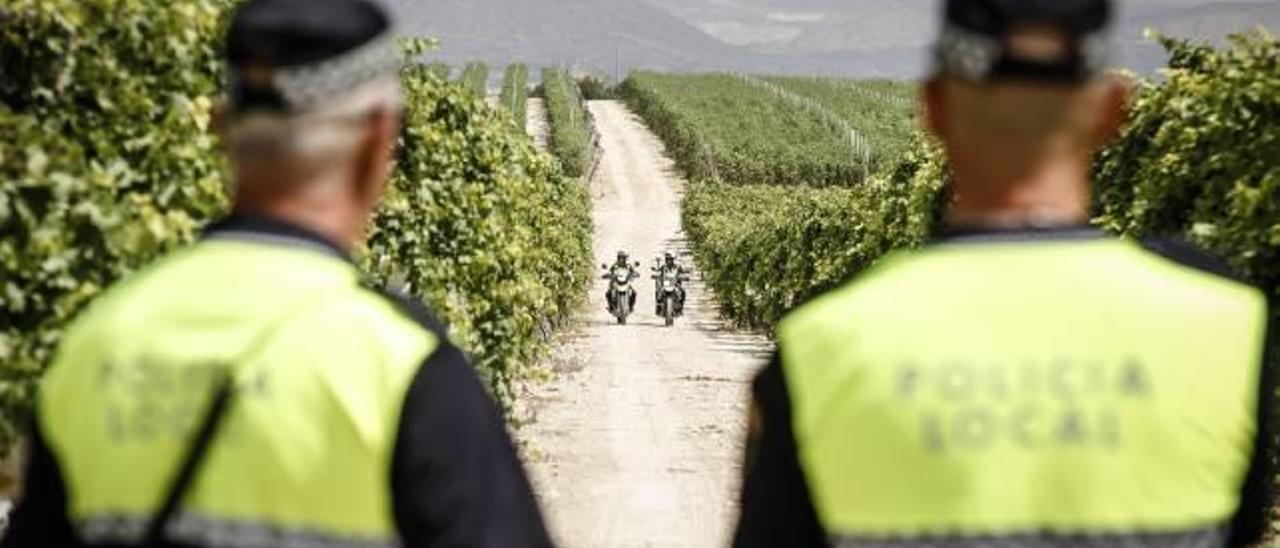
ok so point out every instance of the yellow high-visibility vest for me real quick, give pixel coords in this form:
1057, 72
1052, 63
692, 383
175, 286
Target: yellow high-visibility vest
303, 457
1079, 386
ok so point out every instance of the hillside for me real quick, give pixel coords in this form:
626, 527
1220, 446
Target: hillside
581, 33
841, 37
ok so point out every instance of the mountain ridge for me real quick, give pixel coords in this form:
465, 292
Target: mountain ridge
863, 38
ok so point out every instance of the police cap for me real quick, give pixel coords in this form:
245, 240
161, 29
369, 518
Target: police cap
1038, 40
290, 55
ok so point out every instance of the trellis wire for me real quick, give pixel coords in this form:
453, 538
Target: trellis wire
858, 142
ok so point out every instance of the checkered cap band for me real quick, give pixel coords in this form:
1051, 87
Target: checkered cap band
306, 86
965, 54
978, 57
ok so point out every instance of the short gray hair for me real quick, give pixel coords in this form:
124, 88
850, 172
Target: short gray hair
322, 137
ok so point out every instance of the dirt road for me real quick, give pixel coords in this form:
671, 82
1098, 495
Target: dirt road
638, 441
536, 121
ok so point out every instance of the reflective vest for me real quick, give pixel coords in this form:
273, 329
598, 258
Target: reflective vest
1080, 387
303, 457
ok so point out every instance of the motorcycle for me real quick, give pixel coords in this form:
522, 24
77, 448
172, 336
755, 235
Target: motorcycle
621, 296
670, 296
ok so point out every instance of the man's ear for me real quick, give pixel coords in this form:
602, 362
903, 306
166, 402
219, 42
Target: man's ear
374, 163
933, 95
1114, 105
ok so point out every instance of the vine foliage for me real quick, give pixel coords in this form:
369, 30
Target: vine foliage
515, 92
1199, 160
573, 135
107, 161
482, 227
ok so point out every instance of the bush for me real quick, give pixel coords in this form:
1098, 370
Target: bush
483, 228
573, 135
515, 92
441, 69
1200, 158
106, 159
108, 162
766, 249
594, 88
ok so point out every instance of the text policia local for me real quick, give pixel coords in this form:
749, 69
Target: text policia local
1029, 405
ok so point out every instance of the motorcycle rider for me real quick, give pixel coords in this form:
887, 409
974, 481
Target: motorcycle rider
622, 263
669, 267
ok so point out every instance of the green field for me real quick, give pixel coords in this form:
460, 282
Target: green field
883, 112
1197, 162
723, 127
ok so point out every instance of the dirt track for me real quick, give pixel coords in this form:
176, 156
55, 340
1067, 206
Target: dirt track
638, 441
536, 121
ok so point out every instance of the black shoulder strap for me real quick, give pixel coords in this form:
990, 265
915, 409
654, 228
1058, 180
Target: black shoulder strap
191, 463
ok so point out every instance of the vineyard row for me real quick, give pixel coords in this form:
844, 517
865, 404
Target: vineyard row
1195, 162
573, 138
515, 93
109, 162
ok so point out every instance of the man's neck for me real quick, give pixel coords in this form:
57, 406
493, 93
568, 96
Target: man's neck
327, 224
319, 202
1057, 194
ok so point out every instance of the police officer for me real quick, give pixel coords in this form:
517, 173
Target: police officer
1026, 380
247, 391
